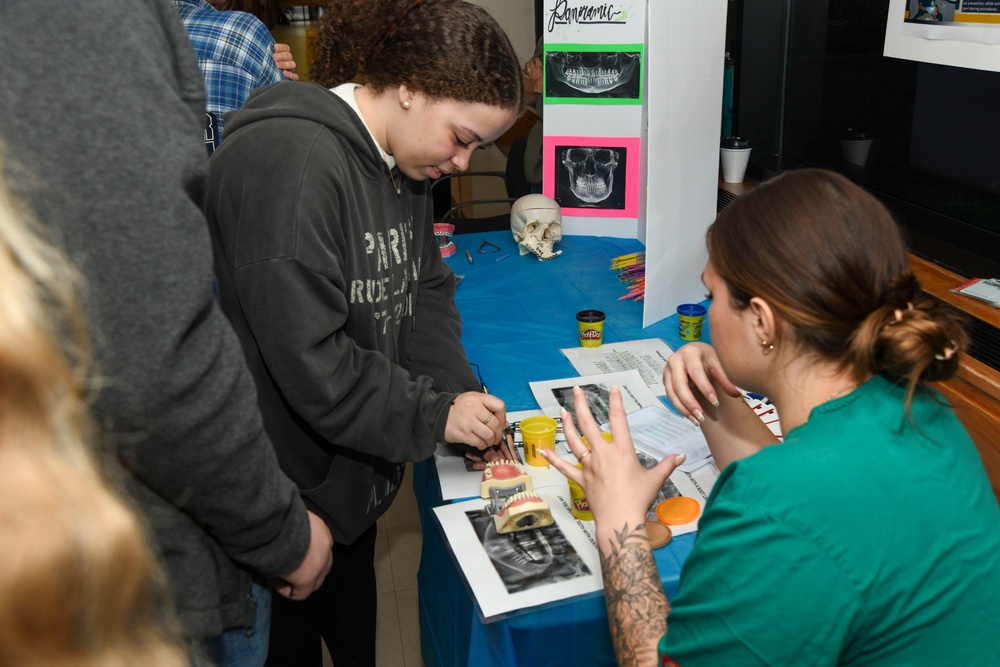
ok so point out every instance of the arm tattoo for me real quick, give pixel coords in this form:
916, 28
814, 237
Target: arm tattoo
637, 605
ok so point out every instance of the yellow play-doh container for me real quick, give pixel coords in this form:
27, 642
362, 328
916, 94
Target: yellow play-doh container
538, 433
604, 434
578, 501
590, 325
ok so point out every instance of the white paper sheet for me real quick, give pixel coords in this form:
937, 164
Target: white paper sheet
507, 574
459, 483
648, 356
527, 568
554, 394
686, 65
987, 290
660, 432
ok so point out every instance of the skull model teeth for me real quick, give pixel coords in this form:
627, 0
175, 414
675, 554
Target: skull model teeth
536, 223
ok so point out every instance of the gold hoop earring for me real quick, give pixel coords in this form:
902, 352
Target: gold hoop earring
406, 104
766, 348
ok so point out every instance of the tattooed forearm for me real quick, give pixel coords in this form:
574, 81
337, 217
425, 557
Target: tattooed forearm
637, 606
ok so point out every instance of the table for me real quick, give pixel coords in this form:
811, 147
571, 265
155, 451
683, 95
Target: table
517, 314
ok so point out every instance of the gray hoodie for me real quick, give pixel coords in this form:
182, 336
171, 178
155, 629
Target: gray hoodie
337, 290
111, 158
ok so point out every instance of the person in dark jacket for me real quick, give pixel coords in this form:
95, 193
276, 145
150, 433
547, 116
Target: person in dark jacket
111, 161
329, 270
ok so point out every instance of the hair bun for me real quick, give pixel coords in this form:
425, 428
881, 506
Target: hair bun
921, 342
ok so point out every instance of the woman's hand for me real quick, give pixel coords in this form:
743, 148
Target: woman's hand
693, 377
688, 378
477, 419
619, 490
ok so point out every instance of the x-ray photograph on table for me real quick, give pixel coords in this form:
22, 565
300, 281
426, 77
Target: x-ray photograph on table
528, 558
551, 395
537, 567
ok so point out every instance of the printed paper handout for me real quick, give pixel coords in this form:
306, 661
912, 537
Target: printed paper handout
659, 432
987, 290
649, 357
511, 571
555, 394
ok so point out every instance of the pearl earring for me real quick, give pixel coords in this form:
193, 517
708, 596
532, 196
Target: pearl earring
406, 104
766, 347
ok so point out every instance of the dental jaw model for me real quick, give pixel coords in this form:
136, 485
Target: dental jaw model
523, 511
504, 475
536, 223
513, 504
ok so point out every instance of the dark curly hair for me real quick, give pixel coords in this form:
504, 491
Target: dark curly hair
446, 49
832, 262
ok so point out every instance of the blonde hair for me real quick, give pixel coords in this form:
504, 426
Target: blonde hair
79, 585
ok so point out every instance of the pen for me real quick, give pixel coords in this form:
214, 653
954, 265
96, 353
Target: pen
469, 255
508, 434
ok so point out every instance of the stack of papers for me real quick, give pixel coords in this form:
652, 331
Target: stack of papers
513, 571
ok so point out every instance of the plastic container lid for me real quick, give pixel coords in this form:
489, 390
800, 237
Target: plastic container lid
736, 142
856, 134
675, 511
659, 535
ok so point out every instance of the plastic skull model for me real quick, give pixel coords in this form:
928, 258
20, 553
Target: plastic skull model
536, 221
591, 172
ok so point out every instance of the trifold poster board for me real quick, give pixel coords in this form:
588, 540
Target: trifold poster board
594, 63
632, 118
686, 53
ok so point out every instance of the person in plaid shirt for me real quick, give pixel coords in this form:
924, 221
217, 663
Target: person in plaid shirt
236, 54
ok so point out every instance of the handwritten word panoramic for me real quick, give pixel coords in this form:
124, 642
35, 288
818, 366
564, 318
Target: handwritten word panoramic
563, 14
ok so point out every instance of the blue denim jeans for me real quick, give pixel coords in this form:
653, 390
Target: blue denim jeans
246, 646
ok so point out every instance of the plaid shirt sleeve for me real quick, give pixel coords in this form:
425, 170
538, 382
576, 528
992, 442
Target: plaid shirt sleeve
235, 51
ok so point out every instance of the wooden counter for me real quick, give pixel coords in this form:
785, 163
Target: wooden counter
974, 392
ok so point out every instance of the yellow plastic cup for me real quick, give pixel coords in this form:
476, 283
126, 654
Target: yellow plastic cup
692, 319
538, 433
590, 324
604, 434
578, 501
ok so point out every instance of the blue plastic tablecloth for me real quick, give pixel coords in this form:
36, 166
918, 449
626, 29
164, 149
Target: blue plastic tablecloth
517, 314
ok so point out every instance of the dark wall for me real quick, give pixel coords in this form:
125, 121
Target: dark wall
811, 69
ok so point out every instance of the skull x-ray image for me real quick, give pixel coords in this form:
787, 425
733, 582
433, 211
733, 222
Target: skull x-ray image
590, 177
528, 558
593, 74
598, 400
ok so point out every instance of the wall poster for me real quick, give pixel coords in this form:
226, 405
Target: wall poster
960, 33
594, 95
593, 73
592, 176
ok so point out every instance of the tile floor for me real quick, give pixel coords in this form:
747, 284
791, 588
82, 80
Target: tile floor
397, 557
